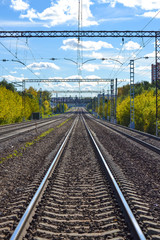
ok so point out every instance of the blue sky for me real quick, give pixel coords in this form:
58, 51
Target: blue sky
63, 15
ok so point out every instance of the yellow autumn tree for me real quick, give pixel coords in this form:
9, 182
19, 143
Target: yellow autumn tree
30, 105
11, 109
47, 108
123, 112
10, 106
145, 111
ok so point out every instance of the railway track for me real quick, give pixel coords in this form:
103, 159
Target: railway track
13, 126
79, 197
147, 140
11, 131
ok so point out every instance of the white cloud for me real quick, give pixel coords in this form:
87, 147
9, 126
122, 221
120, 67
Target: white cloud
65, 85
143, 4
96, 55
143, 68
118, 19
37, 73
19, 23
74, 77
151, 55
151, 14
104, 55
90, 67
111, 64
89, 84
58, 87
93, 77
131, 46
31, 14
60, 78
62, 12
19, 5
43, 65
89, 88
49, 85
85, 45
111, 2
12, 78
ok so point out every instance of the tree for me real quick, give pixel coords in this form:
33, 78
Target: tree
9, 86
11, 110
47, 108
145, 111
10, 106
31, 92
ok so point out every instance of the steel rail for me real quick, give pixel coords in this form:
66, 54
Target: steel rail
18, 231
24, 124
124, 127
23, 129
145, 144
137, 232
132, 130
137, 131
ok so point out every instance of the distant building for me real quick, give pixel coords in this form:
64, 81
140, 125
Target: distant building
153, 72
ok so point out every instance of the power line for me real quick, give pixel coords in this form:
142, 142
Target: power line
138, 52
18, 59
144, 45
118, 58
151, 20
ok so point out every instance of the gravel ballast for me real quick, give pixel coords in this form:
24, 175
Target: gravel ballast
138, 164
18, 169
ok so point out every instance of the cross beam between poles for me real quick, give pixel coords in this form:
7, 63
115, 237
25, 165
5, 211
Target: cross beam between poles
92, 34
64, 34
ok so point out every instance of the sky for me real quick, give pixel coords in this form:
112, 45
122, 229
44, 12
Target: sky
31, 57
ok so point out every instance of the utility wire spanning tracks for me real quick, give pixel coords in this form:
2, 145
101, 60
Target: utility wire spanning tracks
134, 227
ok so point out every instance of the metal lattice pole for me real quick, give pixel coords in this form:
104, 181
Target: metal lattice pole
98, 106
23, 99
115, 109
107, 104
63, 104
157, 60
112, 101
132, 120
40, 102
103, 106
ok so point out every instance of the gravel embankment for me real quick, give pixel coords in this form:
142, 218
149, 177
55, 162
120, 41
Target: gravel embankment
139, 165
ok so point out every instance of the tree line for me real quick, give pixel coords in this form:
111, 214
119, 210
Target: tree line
15, 105
144, 104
